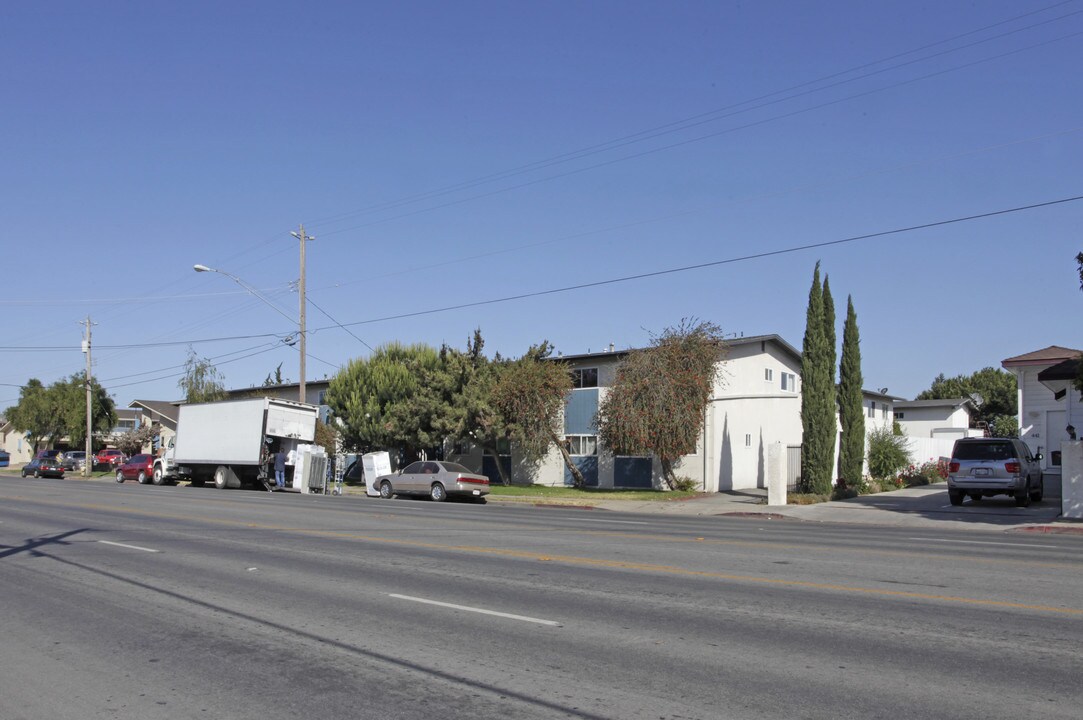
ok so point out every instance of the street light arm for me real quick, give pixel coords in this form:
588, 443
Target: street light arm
246, 286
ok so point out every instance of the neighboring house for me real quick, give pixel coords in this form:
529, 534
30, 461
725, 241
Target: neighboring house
948, 419
756, 402
1050, 408
315, 391
15, 444
127, 420
879, 408
161, 415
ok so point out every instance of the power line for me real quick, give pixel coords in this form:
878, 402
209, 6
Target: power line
700, 138
731, 110
338, 324
728, 261
599, 283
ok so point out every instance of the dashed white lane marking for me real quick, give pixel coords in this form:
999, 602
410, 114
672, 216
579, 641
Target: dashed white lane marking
130, 547
983, 542
476, 610
622, 522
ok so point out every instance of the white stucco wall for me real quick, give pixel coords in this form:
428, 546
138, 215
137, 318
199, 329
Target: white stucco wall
1043, 418
924, 421
747, 413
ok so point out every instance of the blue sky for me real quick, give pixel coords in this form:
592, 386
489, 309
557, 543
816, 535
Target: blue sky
445, 154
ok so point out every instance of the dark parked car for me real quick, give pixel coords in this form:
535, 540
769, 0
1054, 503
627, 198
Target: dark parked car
5, 459
981, 467
438, 480
43, 467
110, 457
139, 467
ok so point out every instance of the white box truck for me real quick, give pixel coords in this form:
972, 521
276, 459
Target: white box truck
228, 442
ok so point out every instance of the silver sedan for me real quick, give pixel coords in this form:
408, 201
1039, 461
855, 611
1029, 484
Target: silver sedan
434, 478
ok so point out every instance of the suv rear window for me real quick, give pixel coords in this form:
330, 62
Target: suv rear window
984, 451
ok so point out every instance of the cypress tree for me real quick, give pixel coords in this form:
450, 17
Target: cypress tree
816, 460
830, 425
851, 412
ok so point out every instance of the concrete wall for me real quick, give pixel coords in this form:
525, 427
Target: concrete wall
1072, 480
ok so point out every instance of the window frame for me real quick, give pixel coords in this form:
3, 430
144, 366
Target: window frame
578, 380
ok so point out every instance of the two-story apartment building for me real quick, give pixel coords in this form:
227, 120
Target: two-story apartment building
756, 402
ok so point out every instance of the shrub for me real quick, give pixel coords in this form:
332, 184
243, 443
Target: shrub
686, 484
888, 453
927, 473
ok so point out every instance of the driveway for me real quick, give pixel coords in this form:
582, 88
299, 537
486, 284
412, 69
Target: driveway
926, 506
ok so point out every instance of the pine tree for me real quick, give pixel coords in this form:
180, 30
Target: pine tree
816, 455
851, 411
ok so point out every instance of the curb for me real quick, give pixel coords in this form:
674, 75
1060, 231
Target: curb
1050, 529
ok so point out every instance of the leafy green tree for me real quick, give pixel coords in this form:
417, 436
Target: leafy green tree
657, 401
888, 453
471, 415
817, 396
530, 394
997, 388
34, 414
387, 400
60, 410
202, 382
830, 337
851, 411
71, 401
326, 437
275, 379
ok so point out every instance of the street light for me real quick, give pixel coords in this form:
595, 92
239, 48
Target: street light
261, 296
301, 291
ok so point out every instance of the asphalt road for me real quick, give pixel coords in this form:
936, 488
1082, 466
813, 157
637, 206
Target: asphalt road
129, 601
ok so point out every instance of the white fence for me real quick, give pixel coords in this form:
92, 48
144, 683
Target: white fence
923, 449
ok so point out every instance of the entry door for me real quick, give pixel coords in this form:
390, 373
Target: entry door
1055, 434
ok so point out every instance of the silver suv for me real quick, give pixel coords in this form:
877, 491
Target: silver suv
981, 467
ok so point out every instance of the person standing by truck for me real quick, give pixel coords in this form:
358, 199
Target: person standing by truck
280, 469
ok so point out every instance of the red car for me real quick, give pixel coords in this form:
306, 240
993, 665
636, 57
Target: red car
109, 457
139, 467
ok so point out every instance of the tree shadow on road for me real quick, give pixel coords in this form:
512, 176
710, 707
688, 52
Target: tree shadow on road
33, 545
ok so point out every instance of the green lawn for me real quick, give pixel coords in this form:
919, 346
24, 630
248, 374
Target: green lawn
547, 492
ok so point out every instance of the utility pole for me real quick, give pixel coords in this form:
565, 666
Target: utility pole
301, 291
89, 422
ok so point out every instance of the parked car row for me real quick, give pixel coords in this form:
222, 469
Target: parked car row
44, 467
138, 467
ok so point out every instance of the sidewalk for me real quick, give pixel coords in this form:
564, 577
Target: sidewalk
918, 507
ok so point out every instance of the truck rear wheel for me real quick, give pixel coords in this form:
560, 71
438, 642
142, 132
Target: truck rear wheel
221, 477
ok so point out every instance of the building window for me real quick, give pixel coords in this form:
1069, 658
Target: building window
872, 409
789, 382
768, 374
899, 415
585, 378
748, 440
581, 444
